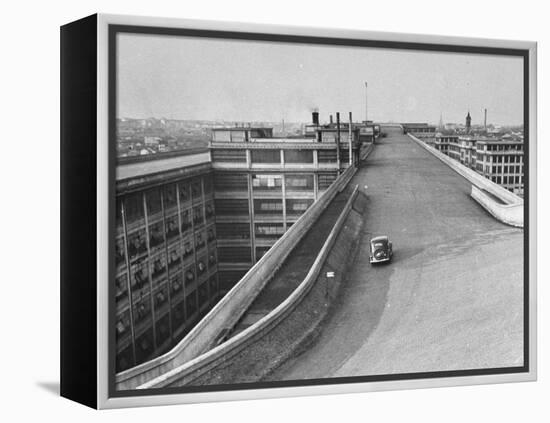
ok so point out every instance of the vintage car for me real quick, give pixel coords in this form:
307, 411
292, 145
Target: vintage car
380, 249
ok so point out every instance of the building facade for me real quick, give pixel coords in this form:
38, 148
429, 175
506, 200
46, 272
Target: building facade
264, 184
497, 159
421, 130
165, 255
444, 142
502, 162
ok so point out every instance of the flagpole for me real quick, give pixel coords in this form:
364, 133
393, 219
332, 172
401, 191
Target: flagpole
366, 104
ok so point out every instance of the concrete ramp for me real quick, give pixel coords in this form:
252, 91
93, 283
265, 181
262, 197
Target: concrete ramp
302, 326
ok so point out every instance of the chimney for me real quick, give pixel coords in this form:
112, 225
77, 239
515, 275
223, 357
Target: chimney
350, 139
315, 117
338, 140
330, 117
485, 120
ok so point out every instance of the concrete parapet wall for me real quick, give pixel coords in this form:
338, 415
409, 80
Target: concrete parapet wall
511, 214
192, 352
472, 176
364, 153
511, 201
205, 368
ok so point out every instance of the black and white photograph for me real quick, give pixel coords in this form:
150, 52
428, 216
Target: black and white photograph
288, 211
296, 210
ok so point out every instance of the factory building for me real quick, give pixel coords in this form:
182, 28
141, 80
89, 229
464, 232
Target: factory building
165, 254
263, 184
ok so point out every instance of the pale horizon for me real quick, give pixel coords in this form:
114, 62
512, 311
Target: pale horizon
188, 78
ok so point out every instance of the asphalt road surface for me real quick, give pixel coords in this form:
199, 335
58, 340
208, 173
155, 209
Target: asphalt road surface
452, 298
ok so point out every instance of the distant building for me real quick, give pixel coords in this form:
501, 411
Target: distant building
467, 148
502, 162
420, 130
444, 141
498, 159
151, 141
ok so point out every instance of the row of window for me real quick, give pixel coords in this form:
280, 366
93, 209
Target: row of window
274, 156
501, 147
505, 180
170, 325
515, 158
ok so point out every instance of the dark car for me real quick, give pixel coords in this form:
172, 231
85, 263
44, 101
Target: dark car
380, 249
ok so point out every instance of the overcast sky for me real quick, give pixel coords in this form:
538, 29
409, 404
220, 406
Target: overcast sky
198, 78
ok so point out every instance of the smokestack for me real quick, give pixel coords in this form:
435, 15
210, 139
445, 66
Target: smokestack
315, 117
366, 104
485, 120
338, 140
350, 139
330, 117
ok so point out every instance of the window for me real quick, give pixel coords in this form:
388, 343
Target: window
234, 254
136, 244
189, 276
230, 207
230, 182
298, 156
326, 179
174, 256
121, 289
187, 249
161, 297
170, 199
297, 206
142, 310
209, 210
197, 215
268, 206
201, 265
158, 266
203, 294
185, 220
327, 156
178, 314
230, 156
267, 182
210, 234
163, 329
191, 303
200, 240
172, 230
154, 206
196, 190
299, 182
123, 324
133, 206
184, 194
144, 346
156, 234
207, 184
266, 156
269, 230
236, 230
139, 277
176, 284
120, 255
213, 282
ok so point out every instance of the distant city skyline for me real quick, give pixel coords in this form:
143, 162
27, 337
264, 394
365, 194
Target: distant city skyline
245, 81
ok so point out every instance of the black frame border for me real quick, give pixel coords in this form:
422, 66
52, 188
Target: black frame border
114, 29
